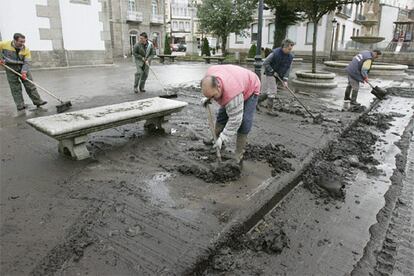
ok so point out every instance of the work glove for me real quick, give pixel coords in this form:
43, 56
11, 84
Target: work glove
285, 83
2, 61
366, 79
205, 101
218, 144
24, 75
276, 75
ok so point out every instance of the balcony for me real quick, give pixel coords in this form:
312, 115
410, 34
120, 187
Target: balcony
157, 19
359, 18
134, 16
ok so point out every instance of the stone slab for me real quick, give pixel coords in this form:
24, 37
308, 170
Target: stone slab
71, 122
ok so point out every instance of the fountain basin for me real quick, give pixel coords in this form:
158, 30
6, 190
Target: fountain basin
367, 39
320, 79
391, 71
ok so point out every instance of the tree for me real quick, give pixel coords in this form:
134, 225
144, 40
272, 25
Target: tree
205, 50
252, 51
225, 16
284, 16
313, 11
167, 48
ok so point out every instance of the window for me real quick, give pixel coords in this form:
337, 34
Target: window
353, 32
357, 33
343, 34
85, 2
309, 33
239, 39
254, 32
154, 7
271, 33
292, 32
187, 26
131, 5
181, 24
175, 25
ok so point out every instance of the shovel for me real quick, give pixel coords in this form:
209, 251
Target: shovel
211, 123
378, 91
316, 119
62, 107
166, 96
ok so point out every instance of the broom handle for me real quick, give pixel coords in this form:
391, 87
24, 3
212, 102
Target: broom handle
293, 94
210, 121
32, 82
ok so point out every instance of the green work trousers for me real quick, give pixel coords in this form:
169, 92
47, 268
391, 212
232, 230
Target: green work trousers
141, 75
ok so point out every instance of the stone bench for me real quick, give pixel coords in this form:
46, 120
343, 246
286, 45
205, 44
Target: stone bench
71, 128
218, 59
162, 58
295, 60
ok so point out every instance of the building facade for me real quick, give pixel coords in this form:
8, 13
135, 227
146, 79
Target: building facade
54, 33
129, 18
339, 26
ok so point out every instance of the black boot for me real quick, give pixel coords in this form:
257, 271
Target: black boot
348, 93
354, 97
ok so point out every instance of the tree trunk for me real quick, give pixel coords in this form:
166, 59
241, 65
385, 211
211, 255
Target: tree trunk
279, 33
315, 35
223, 45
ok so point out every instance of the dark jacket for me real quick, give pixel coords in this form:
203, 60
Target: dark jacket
278, 62
141, 54
360, 66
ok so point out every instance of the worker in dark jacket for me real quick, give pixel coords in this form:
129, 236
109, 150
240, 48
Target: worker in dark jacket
17, 56
143, 52
278, 64
358, 71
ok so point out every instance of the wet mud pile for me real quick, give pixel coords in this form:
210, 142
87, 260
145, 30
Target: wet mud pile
268, 240
274, 155
401, 91
354, 149
286, 105
218, 173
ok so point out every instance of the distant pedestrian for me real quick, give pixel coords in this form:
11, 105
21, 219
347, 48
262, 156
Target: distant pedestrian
236, 90
143, 52
17, 56
358, 71
277, 64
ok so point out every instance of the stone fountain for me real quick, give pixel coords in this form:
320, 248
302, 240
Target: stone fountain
369, 22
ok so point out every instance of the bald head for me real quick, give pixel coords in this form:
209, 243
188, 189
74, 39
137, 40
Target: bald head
210, 87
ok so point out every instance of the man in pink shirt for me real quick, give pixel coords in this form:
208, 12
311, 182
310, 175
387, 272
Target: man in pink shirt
236, 90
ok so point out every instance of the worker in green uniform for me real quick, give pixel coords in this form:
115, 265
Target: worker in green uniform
143, 52
17, 56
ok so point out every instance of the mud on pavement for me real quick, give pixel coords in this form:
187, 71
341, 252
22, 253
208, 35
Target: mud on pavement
327, 178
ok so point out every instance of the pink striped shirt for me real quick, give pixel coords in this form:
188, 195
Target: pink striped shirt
234, 80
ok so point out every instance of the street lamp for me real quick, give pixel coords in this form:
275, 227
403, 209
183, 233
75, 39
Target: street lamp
258, 57
334, 21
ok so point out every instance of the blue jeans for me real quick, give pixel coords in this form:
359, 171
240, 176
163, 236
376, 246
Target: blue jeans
248, 113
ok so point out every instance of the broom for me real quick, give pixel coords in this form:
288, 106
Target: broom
62, 107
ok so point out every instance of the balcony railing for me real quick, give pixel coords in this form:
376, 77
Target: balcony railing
157, 19
135, 16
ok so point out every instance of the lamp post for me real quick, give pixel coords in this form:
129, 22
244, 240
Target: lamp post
258, 57
334, 21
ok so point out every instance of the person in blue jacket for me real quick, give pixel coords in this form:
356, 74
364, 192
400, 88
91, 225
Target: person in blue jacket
278, 64
357, 72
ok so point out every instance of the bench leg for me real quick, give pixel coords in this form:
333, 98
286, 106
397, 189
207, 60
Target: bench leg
161, 59
155, 124
75, 148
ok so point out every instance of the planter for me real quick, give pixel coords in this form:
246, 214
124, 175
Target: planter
320, 79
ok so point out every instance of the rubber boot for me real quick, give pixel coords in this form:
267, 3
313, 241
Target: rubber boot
270, 101
241, 142
354, 97
348, 93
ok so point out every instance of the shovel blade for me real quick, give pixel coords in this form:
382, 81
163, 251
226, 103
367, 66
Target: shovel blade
378, 92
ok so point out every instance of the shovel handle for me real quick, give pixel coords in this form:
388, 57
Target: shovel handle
32, 82
293, 94
211, 123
